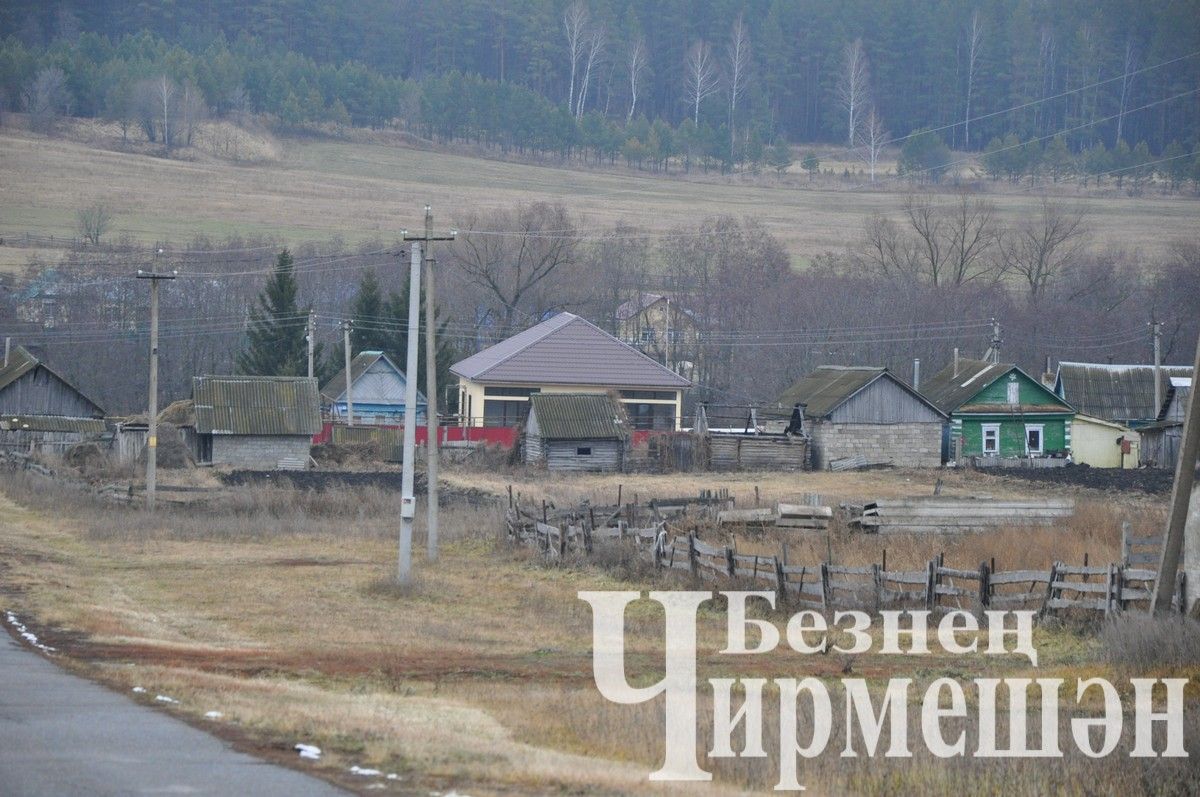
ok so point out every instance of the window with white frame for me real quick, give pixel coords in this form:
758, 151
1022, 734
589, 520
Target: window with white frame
1014, 392
1034, 439
991, 439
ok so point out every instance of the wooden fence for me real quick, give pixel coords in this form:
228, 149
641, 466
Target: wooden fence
825, 586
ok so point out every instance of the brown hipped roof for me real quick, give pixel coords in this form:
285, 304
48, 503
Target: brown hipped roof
567, 350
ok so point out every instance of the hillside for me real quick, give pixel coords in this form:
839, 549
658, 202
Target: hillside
317, 189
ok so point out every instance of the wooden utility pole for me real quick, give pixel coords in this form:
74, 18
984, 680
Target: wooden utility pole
431, 406
310, 337
346, 327
152, 432
1181, 495
408, 507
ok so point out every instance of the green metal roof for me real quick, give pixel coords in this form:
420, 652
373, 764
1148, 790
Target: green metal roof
577, 416
256, 405
51, 423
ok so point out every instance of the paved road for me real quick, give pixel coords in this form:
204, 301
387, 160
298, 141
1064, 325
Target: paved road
63, 735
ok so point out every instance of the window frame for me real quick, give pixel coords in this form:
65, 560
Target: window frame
1040, 428
984, 429
1014, 393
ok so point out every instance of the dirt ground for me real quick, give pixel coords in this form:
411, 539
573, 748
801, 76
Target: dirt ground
278, 610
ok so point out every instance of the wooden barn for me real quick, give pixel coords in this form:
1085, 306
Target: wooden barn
1162, 439
868, 415
575, 432
255, 421
39, 408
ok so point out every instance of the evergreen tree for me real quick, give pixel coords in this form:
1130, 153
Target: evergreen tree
369, 332
275, 344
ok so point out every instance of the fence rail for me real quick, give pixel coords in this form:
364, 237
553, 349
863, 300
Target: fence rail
824, 586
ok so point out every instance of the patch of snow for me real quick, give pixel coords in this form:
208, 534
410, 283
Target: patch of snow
26, 634
309, 751
366, 773
165, 699
393, 776
139, 689
213, 715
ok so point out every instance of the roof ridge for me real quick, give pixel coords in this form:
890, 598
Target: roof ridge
633, 349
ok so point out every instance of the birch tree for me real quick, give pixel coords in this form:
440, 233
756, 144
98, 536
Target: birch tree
575, 22
853, 86
974, 41
638, 56
700, 77
1126, 85
596, 42
739, 63
872, 136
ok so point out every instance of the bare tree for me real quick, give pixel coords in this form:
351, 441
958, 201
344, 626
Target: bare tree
513, 255
638, 56
972, 235
157, 103
595, 50
974, 42
854, 86
1042, 246
46, 98
1126, 85
872, 137
575, 22
700, 77
93, 221
192, 110
738, 55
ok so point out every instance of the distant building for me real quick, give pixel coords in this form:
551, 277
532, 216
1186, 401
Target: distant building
575, 432
998, 410
1120, 393
40, 408
263, 422
1162, 439
851, 411
566, 354
661, 328
377, 391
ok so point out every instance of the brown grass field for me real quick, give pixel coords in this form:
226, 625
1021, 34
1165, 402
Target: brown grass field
277, 610
317, 189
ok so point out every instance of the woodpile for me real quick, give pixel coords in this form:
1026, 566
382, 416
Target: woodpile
945, 515
785, 516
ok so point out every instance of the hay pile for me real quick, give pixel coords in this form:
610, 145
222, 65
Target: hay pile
179, 413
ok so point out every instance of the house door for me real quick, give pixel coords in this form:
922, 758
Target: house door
1034, 439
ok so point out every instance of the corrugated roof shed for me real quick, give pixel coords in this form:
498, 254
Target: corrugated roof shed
828, 387
1114, 392
567, 350
577, 416
256, 405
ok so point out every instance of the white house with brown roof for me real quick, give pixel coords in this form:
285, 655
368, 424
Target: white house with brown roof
566, 354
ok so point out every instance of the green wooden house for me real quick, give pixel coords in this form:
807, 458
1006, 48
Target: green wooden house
998, 410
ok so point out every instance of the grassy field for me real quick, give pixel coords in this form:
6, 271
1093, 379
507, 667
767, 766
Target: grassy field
276, 610
318, 189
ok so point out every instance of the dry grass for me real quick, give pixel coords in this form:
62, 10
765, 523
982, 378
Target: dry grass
319, 189
277, 609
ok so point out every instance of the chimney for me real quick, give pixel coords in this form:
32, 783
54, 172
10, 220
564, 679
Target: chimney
955, 361
1047, 363
916, 373
7, 347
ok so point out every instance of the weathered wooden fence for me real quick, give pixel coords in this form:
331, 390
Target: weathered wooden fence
825, 586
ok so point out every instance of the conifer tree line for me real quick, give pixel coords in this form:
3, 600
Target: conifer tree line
676, 82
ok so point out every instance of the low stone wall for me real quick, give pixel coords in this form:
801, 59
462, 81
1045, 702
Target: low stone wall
907, 445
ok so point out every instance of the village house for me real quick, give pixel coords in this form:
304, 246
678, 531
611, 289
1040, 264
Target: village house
661, 328
255, 421
575, 432
1161, 440
1103, 444
866, 412
566, 354
1120, 393
39, 407
997, 410
377, 387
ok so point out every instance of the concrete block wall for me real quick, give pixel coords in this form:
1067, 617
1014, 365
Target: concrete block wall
908, 445
259, 451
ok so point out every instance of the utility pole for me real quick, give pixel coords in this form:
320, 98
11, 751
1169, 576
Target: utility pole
431, 406
310, 336
1156, 333
1181, 495
408, 507
996, 341
152, 433
346, 327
